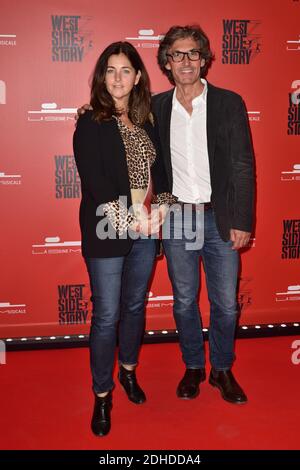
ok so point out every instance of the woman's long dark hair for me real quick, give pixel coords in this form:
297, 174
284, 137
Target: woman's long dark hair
140, 97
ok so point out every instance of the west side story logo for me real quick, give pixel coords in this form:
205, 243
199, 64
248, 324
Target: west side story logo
67, 181
72, 304
241, 41
291, 239
71, 38
294, 109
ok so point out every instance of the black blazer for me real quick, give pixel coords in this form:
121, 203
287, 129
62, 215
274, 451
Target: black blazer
101, 162
230, 155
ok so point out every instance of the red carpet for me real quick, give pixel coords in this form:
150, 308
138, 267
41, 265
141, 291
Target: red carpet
46, 402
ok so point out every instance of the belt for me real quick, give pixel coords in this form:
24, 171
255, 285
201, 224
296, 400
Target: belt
204, 205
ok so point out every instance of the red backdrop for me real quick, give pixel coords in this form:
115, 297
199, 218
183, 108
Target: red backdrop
47, 53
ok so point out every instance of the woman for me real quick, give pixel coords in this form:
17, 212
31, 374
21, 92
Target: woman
115, 146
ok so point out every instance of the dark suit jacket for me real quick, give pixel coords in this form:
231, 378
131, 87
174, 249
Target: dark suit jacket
101, 161
230, 155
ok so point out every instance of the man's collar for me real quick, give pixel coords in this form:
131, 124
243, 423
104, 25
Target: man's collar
197, 100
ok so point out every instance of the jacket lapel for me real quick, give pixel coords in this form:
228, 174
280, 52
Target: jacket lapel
212, 122
164, 121
117, 156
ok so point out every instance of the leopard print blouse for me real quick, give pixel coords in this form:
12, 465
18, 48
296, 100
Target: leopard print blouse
140, 155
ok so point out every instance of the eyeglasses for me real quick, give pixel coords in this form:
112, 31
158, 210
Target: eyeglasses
178, 56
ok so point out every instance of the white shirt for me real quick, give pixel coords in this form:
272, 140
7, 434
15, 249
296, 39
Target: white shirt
189, 153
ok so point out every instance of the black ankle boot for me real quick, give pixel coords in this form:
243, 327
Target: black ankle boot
189, 385
101, 415
128, 380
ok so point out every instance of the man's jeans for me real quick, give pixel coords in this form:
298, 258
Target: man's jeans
119, 286
221, 269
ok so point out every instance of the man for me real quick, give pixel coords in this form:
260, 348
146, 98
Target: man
207, 151
206, 146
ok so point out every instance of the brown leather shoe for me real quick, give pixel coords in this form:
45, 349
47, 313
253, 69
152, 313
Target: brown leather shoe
101, 416
228, 386
188, 387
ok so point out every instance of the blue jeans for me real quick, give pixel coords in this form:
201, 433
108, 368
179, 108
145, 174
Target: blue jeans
221, 269
119, 287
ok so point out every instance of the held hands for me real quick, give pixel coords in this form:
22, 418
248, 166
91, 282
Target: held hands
157, 217
239, 238
148, 224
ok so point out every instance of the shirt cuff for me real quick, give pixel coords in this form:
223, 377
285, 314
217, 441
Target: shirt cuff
165, 198
119, 216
